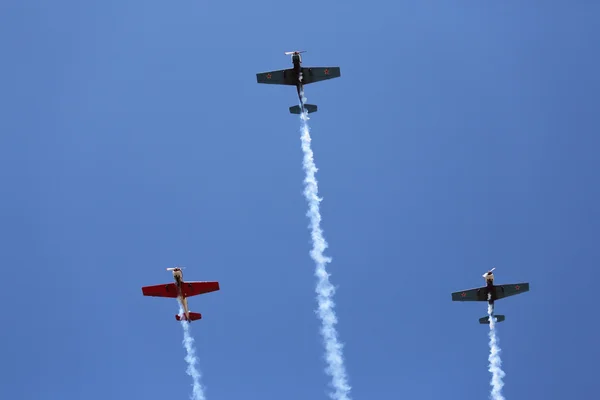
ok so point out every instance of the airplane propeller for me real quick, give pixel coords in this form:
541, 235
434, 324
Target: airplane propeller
288, 53
489, 272
173, 269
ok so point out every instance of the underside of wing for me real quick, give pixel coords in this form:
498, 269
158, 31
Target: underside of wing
511, 289
476, 294
195, 288
164, 290
317, 74
281, 77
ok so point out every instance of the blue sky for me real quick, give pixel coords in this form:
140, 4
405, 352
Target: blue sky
134, 137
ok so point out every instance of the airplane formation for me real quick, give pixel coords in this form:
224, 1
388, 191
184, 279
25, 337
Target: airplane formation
299, 76
181, 290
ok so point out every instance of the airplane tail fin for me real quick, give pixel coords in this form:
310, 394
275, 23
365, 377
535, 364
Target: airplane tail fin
310, 108
193, 317
486, 320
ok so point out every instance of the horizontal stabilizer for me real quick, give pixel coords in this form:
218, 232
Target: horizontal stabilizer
193, 316
311, 108
486, 320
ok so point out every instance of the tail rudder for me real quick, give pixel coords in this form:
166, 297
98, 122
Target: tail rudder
310, 108
193, 317
486, 320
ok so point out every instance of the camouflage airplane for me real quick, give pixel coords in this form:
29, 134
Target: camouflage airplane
299, 76
491, 293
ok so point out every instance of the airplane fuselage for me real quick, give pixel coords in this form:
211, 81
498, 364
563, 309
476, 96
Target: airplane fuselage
178, 276
297, 61
490, 289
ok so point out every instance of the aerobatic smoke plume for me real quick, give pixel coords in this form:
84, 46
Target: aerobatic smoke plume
495, 366
324, 288
190, 358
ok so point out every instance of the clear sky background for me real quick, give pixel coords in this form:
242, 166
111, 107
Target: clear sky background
134, 137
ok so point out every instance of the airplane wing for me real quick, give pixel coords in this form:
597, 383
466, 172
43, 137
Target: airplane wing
164, 290
281, 77
195, 288
470, 295
511, 289
317, 74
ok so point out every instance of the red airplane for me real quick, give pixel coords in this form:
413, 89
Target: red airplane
181, 291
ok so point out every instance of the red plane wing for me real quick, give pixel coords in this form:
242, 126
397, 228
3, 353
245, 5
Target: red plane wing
164, 290
195, 288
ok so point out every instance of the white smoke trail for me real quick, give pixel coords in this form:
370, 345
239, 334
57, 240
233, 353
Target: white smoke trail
495, 366
190, 358
324, 288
